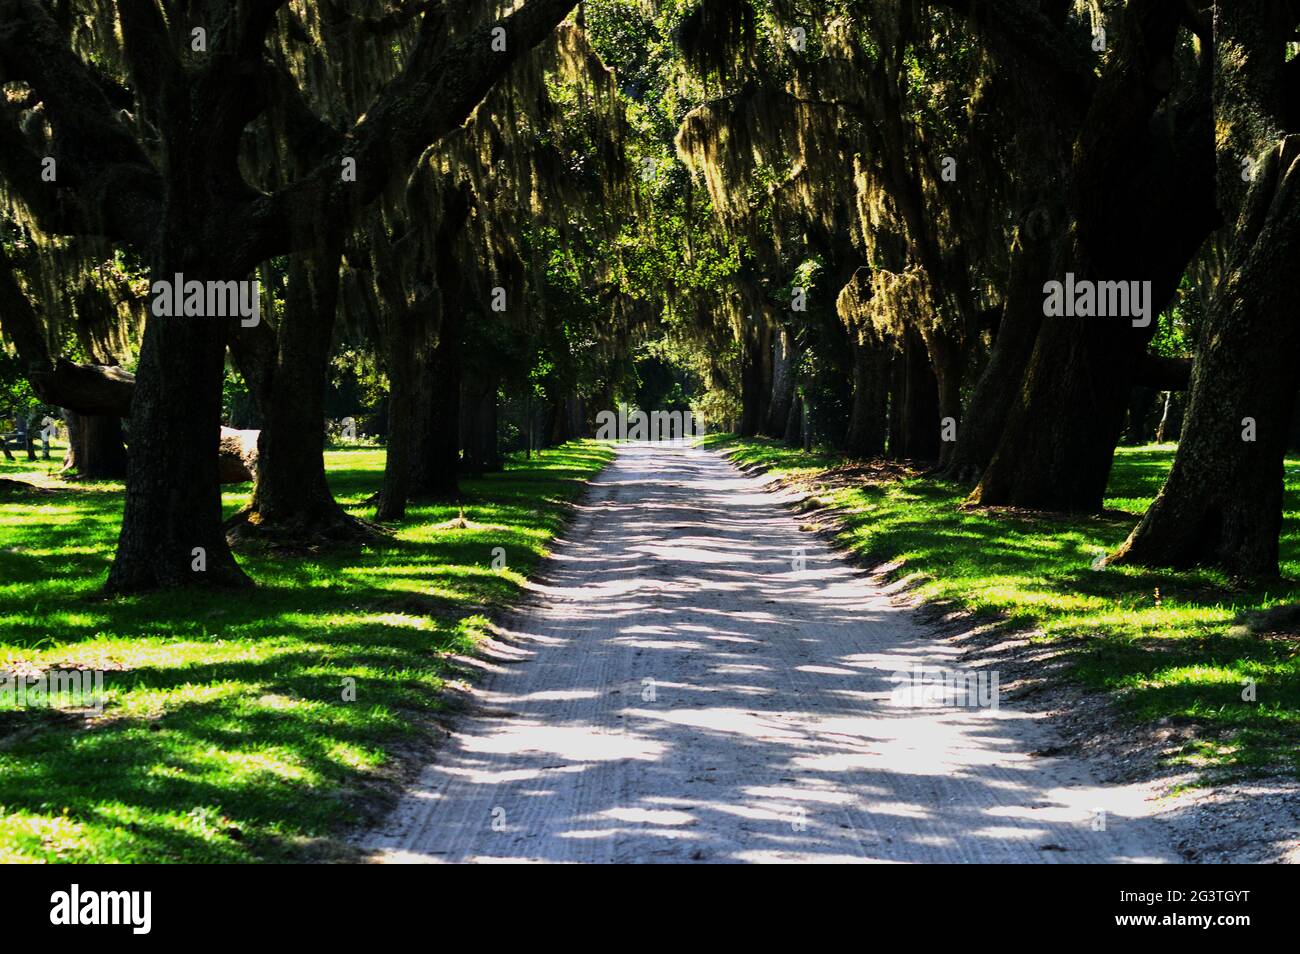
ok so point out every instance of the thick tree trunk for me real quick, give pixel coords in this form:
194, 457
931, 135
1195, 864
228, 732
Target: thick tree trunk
436, 397
794, 417
403, 368
1044, 138
1057, 448
172, 532
568, 421
436, 457
1140, 407
869, 416
947, 359
95, 447
1293, 444
70, 464
1022, 315
292, 503
1222, 501
915, 434
783, 361
479, 425
755, 378
1139, 186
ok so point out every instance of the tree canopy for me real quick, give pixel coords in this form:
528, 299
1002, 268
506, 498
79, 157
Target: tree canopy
474, 226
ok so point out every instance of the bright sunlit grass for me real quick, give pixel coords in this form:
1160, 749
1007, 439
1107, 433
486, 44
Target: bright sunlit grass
225, 736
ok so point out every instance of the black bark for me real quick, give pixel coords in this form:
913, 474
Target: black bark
865, 436
1222, 501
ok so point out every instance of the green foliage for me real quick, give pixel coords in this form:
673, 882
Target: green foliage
16, 397
1180, 325
226, 737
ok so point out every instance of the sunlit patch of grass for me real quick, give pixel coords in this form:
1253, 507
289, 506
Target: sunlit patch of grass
228, 733
1166, 644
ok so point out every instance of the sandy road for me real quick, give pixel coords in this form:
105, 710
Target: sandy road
681, 691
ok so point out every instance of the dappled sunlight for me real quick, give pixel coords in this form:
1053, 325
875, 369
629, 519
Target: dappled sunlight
706, 682
1120, 626
226, 736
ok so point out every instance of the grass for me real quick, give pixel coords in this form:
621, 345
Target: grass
1180, 645
226, 737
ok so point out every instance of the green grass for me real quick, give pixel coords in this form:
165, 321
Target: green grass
1166, 644
225, 737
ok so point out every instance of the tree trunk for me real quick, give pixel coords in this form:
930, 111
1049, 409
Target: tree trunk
1081, 373
1056, 449
916, 399
805, 422
95, 447
1043, 142
947, 358
569, 420
783, 362
172, 532
755, 377
794, 419
1222, 501
292, 502
1293, 444
552, 429
403, 368
1162, 428
479, 426
999, 384
1141, 403
869, 416
1138, 188
436, 395
436, 459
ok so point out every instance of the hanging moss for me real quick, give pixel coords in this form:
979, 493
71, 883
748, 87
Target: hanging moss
718, 37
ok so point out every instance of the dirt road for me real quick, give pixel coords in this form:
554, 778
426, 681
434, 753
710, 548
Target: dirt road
686, 688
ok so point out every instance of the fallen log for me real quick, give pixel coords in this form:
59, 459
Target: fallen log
85, 388
238, 455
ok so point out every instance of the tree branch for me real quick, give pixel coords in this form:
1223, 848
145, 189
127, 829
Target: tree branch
1022, 27
436, 92
87, 389
108, 185
148, 50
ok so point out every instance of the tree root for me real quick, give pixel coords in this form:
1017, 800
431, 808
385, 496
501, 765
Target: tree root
250, 530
